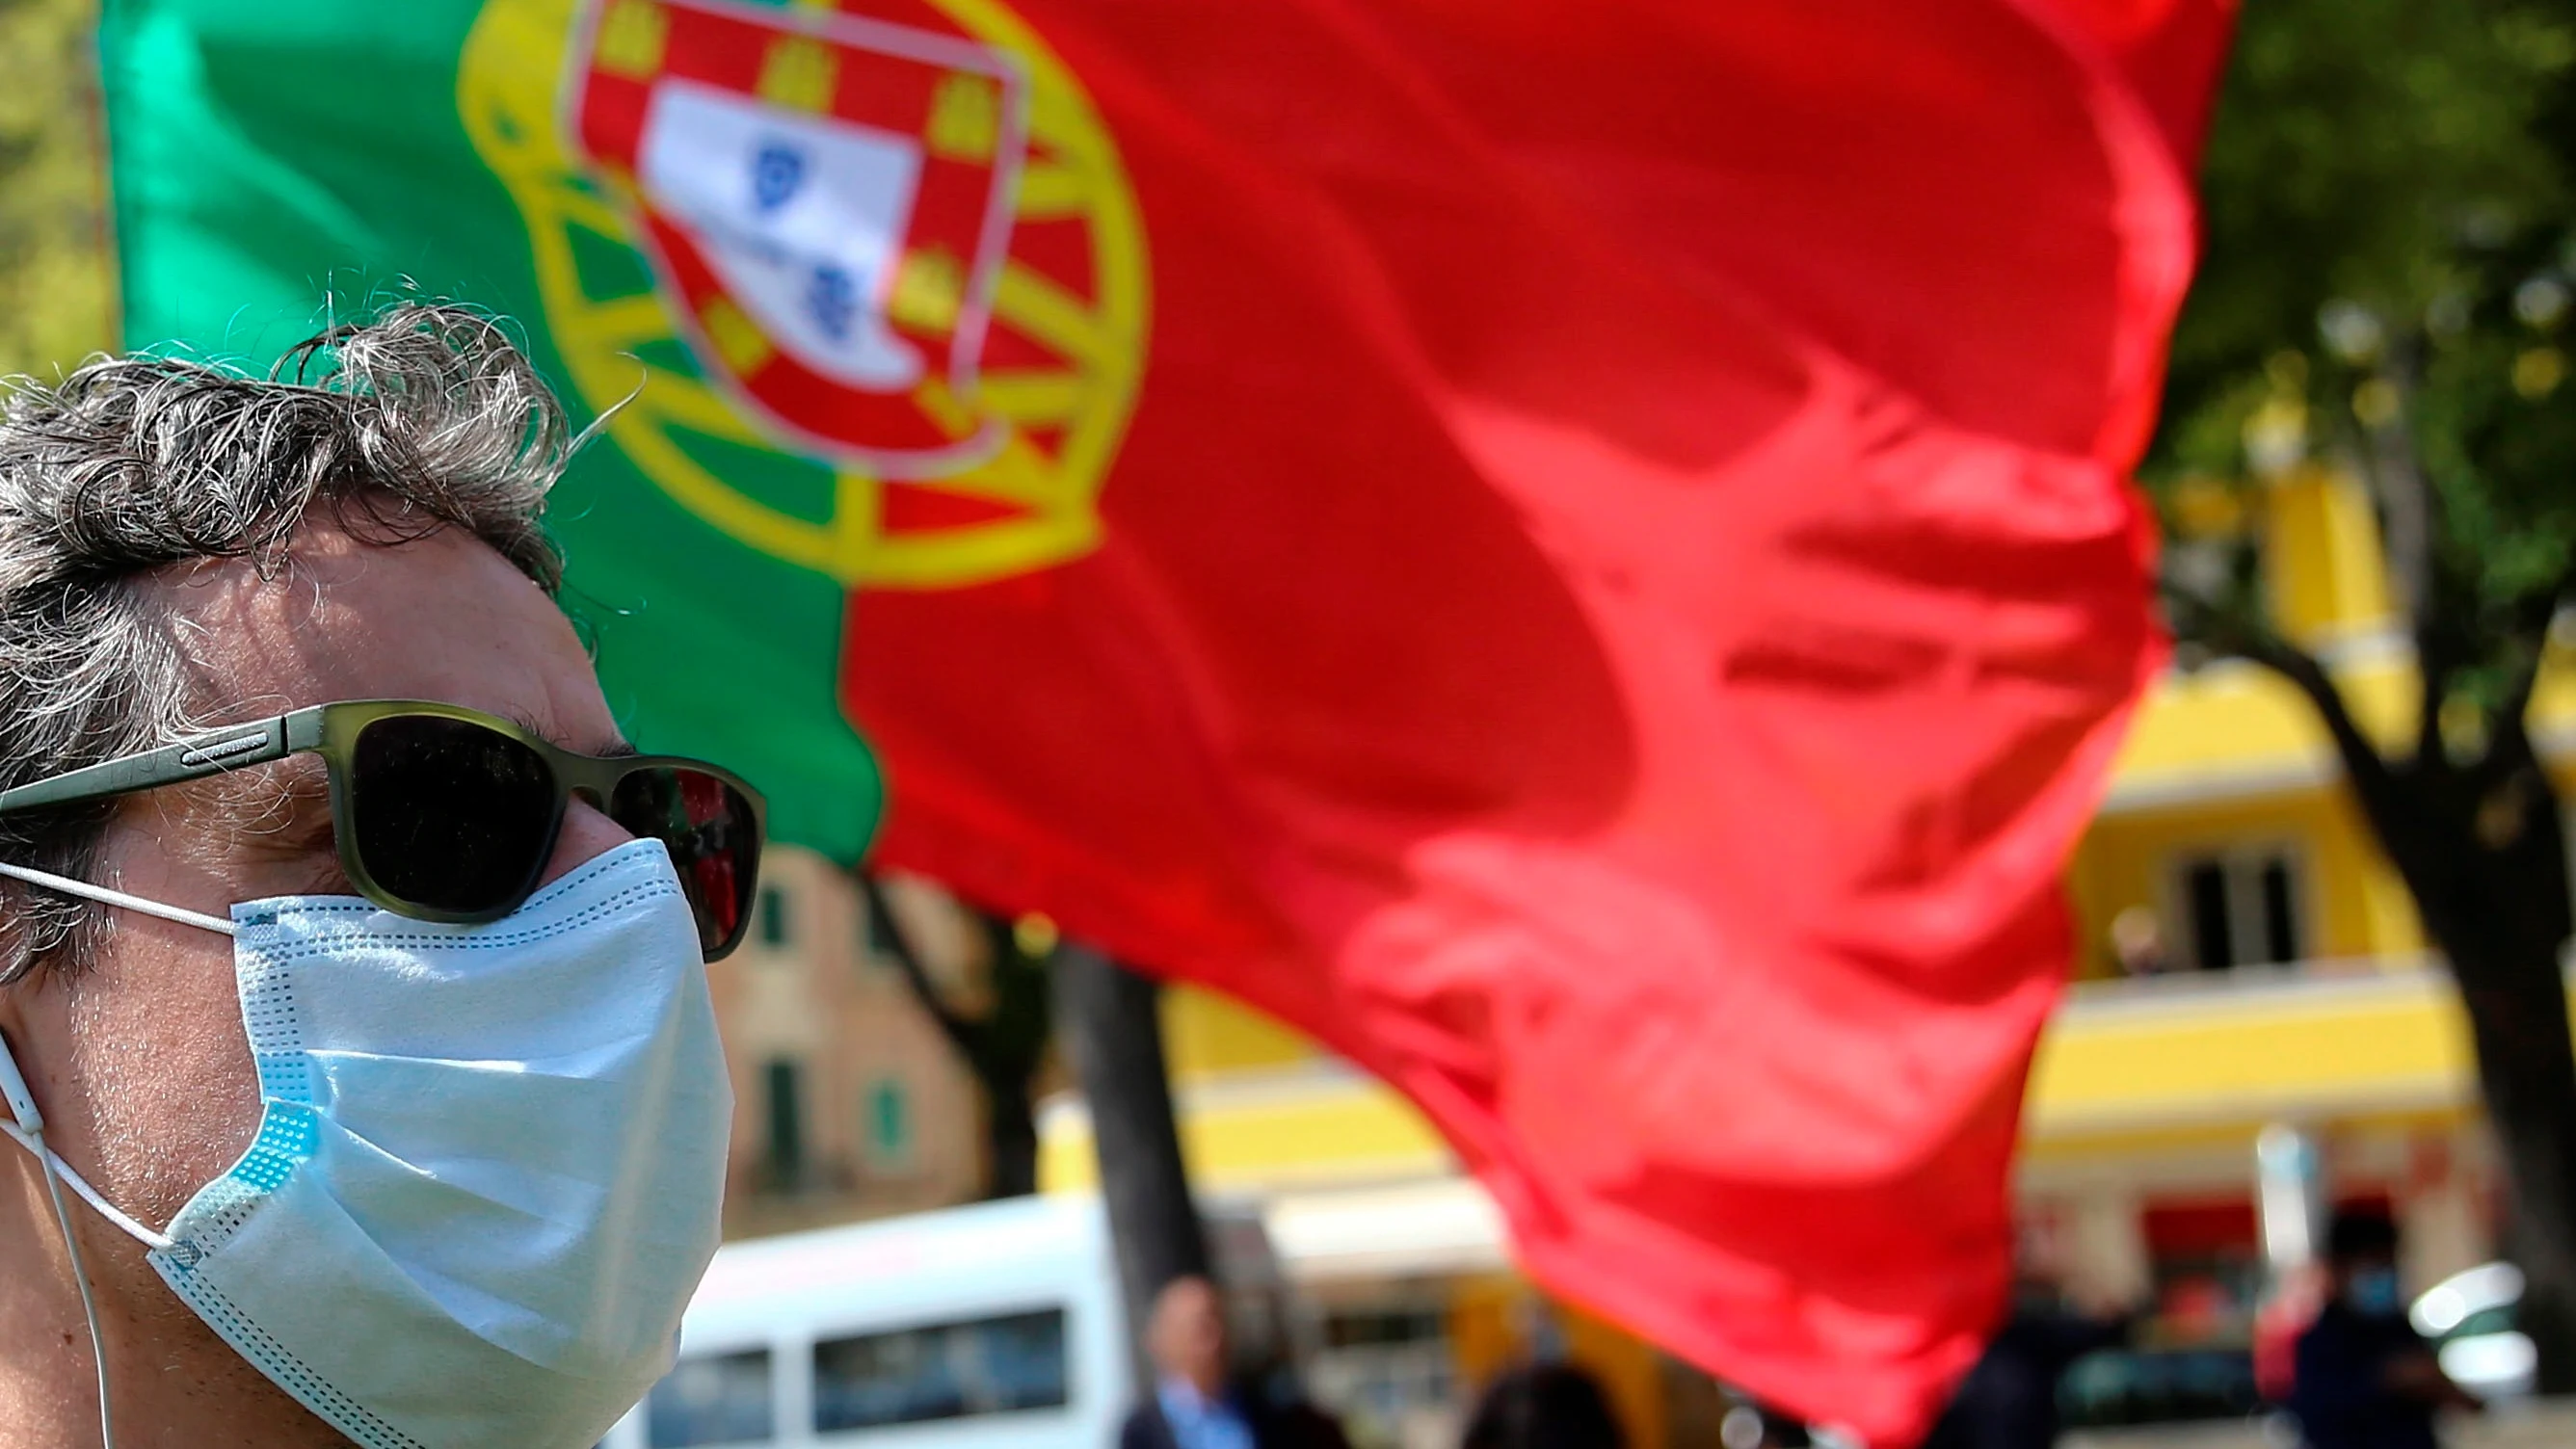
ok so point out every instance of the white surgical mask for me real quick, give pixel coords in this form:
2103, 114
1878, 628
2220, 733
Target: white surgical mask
489, 1165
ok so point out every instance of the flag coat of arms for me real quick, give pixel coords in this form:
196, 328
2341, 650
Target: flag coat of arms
1577, 553
828, 203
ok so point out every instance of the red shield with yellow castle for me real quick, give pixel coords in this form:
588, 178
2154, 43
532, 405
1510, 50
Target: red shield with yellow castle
828, 196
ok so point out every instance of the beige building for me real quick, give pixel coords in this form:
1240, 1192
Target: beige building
848, 1102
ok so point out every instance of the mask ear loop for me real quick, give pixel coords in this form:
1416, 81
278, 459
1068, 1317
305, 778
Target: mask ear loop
107, 896
29, 1129
23, 1107
27, 1125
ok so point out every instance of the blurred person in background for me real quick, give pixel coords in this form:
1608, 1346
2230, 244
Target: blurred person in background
1544, 1406
2138, 943
2362, 1378
2009, 1399
1199, 1401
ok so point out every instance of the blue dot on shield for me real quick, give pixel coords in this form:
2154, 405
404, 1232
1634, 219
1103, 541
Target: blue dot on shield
777, 170
833, 298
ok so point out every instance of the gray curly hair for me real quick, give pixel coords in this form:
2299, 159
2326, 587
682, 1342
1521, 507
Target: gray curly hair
424, 417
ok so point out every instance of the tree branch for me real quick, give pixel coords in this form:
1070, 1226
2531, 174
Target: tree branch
1021, 1025
2436, 665
2412, 537
960, 1032
2238, 627
2371, 777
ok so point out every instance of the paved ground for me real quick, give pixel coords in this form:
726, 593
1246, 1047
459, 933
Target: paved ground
2551, 1426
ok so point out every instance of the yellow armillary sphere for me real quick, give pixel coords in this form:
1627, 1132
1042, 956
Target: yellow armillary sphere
867, 277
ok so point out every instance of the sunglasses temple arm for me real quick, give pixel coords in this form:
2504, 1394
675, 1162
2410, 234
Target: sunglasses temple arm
210, 754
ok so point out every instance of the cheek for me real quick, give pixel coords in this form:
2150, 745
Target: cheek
163, 1062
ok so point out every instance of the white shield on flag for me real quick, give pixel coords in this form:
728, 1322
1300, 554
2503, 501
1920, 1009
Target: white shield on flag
802, 218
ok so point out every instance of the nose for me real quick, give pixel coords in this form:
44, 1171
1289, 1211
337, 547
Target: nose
586, 833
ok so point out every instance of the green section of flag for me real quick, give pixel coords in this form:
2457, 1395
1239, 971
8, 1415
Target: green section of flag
273, 162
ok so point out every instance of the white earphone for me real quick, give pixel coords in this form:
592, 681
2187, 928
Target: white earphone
13, 1087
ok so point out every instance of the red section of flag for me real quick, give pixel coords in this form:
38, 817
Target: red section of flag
1617, 598
2170, 50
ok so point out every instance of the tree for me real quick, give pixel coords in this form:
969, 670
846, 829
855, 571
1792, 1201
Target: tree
1114, 1028
1005, 1045
2390, 192
55, 285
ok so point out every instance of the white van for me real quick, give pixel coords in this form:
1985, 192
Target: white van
971, 1328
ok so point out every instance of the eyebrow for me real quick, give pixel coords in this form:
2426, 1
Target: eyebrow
616, 749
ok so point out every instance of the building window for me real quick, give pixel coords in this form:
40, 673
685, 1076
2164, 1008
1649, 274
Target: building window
785, 1083
876, 955
872, 932
890, 1128
2241, 907
773, 916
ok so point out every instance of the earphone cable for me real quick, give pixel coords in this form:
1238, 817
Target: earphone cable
80, 1278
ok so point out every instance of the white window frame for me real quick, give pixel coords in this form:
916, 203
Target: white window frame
2242, 862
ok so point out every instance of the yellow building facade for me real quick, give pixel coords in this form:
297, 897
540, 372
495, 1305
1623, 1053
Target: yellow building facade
2247, 961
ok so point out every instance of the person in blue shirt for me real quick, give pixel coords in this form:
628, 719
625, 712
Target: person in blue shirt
1196, 1402
2363, 1378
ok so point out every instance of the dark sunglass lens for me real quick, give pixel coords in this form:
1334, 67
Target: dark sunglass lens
449, 814
713, 835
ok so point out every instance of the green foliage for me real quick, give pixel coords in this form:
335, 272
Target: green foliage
56, 290
2390, 192
2390, 275
2358, 145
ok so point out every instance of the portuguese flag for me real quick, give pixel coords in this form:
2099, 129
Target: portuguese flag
1576, 552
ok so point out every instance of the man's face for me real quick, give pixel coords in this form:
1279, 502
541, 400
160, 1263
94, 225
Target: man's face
1189, 1333
140, 1062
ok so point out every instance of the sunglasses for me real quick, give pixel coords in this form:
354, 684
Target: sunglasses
448, 814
